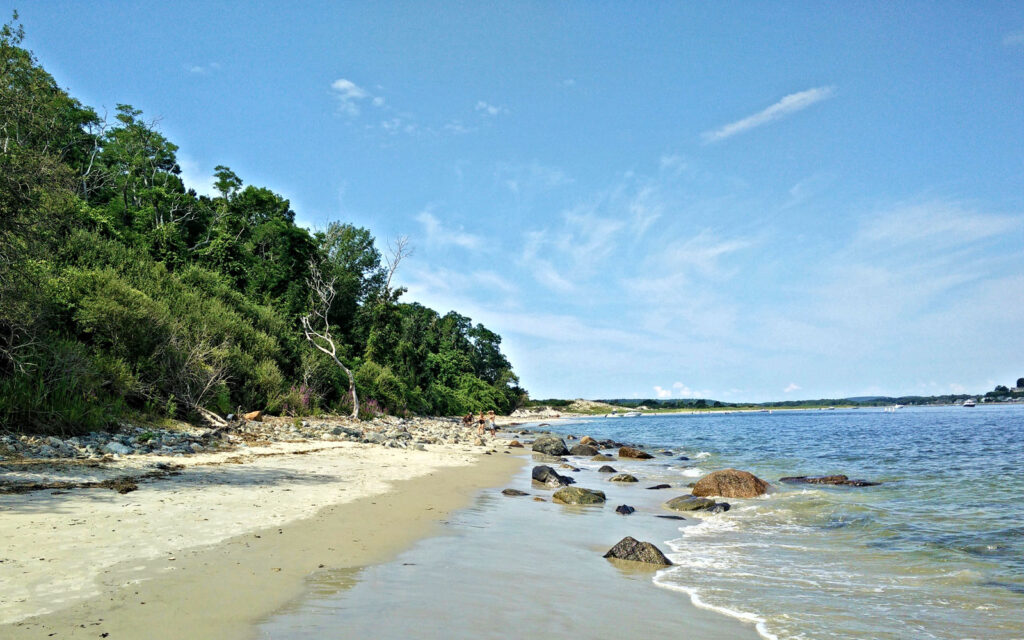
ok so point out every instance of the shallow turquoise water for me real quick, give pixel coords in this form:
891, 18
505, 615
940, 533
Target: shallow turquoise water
936, 551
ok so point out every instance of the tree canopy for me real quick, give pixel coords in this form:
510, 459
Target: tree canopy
124, 292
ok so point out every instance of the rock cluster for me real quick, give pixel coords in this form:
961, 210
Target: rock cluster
630, 548
840, 480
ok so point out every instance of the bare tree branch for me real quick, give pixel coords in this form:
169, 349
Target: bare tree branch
321, 293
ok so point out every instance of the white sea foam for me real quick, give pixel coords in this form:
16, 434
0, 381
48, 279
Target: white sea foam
756, 620
692, 472
702, 455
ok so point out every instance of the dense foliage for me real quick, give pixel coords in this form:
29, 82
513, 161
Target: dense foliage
123, 292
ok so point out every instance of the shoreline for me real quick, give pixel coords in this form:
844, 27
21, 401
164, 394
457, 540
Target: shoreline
87, 562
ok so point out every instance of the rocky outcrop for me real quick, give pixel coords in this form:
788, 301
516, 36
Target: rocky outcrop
730, 483
545, 475
601, 458
578, 495
630, 452
587, 440
624, 509
635, 551
515, 444
254, 415
622, 477
689, 503
514, 492
583, 450
839, 480
606, 469
550, 445
660, 486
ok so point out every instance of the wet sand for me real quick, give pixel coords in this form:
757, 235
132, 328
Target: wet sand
370, 503
512, 567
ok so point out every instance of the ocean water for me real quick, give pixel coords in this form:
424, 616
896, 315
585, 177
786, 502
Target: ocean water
935, 551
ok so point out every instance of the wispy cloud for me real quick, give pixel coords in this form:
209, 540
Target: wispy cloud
791, 388
436, 233
203, 69
788, 105
662, 393
351, 96
490, 109
1015, 39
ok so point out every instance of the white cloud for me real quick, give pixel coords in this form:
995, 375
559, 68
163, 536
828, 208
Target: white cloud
490, 109
791, 388
568, 82
662, 393
195, 176
202, 70
437, 234
788, 105
350, 96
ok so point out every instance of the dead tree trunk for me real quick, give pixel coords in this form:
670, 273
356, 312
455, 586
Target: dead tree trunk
321, 293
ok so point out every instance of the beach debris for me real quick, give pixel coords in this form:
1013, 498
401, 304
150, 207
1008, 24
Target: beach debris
587, 440
515, 444
584, 450
578, 495
550, 445
623, 477
630, 452
606, 469
689, 503
624, 509
839, 480
256, 416
730, 483
602, 458
660, 486
545, 475
513, 492
631, 549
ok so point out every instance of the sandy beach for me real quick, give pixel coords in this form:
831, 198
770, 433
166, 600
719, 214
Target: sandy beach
222, 541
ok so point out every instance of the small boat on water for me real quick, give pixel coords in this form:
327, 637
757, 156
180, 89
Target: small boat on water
969, 402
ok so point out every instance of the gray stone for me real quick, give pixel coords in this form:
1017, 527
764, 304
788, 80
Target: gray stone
624, 509
117, 448
583, 450
730, 483
550, 445
689, 503
578, 495
514, 492
545, 475
622, 477
606, 469
630, 452
635, 551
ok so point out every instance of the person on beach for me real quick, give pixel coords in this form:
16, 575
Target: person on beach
481, 422
467, 420
491, 425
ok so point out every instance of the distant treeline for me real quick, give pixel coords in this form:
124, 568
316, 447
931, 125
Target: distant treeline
124, 292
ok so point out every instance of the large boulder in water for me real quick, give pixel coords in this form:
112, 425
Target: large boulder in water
550, 445
578, 495
630, 548
602, 458
547, 476
606, 469
630, 452
730, 483
583, 450
689, 503
587, 440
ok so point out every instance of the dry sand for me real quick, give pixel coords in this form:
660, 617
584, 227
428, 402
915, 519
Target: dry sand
209, 552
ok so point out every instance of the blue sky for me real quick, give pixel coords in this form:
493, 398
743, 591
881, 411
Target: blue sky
750, 201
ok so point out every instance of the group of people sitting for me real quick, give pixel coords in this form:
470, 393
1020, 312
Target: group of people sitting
483, 423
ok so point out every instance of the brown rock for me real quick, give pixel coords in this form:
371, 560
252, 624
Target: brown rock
587, 440
630, 452
583, 450
834, 480
730, 483
630, 548
254, 415
516, 444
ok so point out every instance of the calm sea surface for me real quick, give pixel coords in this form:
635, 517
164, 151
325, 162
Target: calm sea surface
936, 551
